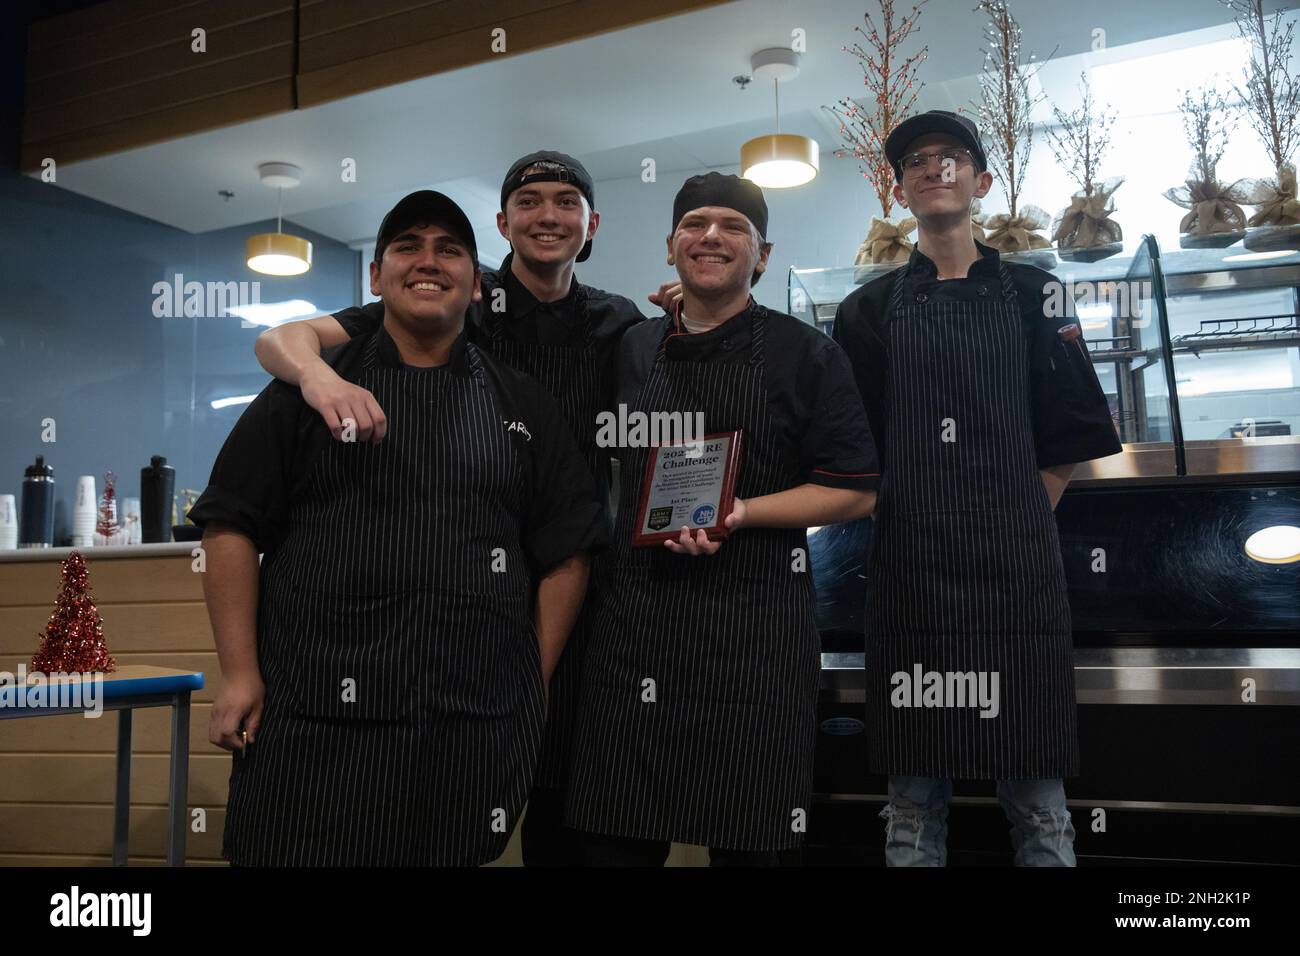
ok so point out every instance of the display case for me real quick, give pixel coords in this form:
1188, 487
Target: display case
1234, 339
1196, 350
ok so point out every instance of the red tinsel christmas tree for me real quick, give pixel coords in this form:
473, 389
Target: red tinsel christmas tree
107, 524
74, 636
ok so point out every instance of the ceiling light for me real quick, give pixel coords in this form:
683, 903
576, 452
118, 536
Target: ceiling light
273, 313
233, 400
278, 253
778, 160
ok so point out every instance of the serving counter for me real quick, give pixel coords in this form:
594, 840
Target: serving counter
1182, 556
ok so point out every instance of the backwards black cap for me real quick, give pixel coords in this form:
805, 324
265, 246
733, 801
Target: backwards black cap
935, 121
426, 207
717, 189
551, 167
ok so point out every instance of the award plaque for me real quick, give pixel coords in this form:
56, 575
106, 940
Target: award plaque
689, 485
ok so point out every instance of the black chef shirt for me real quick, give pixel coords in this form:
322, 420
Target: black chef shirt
272, 449
810, 389
525, 320
1071, 417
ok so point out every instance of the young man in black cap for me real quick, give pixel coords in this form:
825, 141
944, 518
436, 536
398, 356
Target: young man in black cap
699, 689
383, 674
981, 404
535, 317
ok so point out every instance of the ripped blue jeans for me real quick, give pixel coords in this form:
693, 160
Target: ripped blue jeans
916, 821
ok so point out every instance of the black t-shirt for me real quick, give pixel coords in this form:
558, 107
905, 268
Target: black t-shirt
278, 439
1071, 416
510, 310
810, 387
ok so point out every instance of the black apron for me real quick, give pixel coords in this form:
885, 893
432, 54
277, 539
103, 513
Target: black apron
572, 375
386, 578
724, 755
966, 567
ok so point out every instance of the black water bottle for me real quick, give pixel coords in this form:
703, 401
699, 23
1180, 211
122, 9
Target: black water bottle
37, 522
157, 488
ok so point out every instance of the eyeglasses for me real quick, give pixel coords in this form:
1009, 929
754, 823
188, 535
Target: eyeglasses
956, 157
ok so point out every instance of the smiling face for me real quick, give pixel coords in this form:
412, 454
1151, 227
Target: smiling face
940, 191
547, 224
717, 252
426, 279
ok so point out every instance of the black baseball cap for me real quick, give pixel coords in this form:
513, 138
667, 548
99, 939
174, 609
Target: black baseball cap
428, 208
552, 167
934, 121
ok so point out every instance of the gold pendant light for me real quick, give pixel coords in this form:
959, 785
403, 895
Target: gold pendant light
778, 160
278, 253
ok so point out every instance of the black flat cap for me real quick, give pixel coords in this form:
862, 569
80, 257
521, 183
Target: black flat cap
719, 189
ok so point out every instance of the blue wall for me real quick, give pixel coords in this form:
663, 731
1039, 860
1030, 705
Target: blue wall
79, 341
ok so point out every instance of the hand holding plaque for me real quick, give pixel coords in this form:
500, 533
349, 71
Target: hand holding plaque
689, 485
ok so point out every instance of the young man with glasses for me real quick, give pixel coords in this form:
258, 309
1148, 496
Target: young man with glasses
981, 405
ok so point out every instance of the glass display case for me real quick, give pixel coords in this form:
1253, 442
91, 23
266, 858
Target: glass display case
1234, 339
1196, 350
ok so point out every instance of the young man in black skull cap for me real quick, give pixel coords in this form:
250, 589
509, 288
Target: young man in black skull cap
981, 404
699, 691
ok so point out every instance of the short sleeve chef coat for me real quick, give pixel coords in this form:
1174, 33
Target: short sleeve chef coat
1071, 417
272, 448
811, 393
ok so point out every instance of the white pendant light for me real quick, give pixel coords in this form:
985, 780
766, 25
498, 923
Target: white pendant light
278, 253
778, 160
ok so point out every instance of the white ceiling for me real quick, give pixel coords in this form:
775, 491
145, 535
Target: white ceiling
661, 90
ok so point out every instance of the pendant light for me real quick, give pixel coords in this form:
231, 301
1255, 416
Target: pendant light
778, 160
278, 253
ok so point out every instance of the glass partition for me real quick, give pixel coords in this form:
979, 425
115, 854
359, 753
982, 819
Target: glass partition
1197, 351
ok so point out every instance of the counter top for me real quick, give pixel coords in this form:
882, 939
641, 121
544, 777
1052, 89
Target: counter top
95, 553
1141, 675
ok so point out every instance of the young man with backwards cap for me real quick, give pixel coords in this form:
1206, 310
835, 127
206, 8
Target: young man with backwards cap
384, 672
535, 317
717, 749
981, 404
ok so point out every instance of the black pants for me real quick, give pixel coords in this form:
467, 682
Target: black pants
624, 851
544, 838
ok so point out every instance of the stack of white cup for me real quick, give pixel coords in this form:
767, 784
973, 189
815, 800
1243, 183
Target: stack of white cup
8, 523
85, 513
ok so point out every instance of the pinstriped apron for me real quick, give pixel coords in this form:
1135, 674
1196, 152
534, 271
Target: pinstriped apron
966, 569
572, 375
385, 580
723, 755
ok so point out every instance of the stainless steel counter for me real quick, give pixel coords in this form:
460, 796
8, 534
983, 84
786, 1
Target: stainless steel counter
1139, 675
